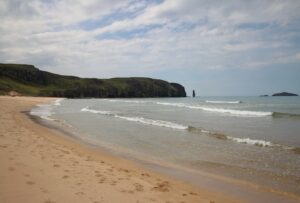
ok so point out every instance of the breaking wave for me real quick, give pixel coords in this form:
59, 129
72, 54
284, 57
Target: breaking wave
142, 120
286, 115
261, 143
220, 110
194, 130
234, 112
223, 102
160, 123
58, 102
43, 111
247, 141
221, 136
87, 109
126, 101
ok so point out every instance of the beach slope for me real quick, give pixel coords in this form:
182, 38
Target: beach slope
40, 165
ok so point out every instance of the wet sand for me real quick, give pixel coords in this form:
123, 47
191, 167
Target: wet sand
40, 165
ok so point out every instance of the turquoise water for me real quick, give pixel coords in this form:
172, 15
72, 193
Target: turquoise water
250, 138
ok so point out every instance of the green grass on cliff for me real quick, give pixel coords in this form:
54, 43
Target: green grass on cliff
28, 80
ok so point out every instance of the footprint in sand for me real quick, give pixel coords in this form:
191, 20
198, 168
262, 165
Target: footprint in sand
30, 182
43, 190
79, 193
64, 151
162, 187
56, 165
11, 168
145, 174
138, 187
65, 177
102, 180
113, 182
130, 191
49, 201
3, 146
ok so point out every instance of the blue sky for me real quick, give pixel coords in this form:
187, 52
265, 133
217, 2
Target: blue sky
215, 47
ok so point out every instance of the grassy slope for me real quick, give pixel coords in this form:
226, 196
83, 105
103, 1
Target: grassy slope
28, 80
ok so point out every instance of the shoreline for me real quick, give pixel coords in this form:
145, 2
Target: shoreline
240, 189
39, 165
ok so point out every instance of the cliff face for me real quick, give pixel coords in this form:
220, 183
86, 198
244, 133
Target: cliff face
28, 80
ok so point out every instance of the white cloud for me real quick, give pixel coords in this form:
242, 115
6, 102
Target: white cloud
168, 35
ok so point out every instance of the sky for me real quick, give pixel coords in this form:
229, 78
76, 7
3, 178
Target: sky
218, 47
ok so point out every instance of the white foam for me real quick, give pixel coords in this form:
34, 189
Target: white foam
43, 111
87, 109
205, 131
134, 101
160, 123
172, 104
126, 101
262, 143
142, 120
223, 102
110, 100
220, 110
58, 102
238, 112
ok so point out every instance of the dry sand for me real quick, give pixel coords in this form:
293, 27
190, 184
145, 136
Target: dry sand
39, 165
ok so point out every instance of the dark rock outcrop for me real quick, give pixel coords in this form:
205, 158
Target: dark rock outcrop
28, 80
284, 94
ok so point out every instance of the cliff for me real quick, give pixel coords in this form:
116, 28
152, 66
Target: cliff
28, 80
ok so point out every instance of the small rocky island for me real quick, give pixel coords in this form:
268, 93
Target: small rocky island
284, 94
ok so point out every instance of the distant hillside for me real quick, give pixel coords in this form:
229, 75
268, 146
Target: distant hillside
28, 80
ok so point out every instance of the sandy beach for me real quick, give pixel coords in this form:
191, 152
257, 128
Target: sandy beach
39, 165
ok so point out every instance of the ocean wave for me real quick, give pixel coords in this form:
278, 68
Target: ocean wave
238, 112
286, 115
160, 123
223, 102
264, 143
134, 101
142, 120
87, 109
248, 141
220, 110
126, 101
171, 104
194, 130
261, 143
43, 111
58, 102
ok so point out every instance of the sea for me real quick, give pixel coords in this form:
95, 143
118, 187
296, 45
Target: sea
253, 140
